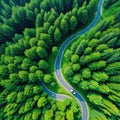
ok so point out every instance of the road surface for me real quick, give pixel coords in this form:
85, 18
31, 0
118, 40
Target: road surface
58, 61
53, 94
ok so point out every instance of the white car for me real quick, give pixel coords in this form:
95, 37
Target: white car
72, 91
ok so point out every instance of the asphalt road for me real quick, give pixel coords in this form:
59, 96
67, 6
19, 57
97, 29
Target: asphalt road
53, 94
58, 61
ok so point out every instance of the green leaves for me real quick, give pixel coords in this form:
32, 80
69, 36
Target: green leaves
100, 76
92, 63
41, 102
57, 35
29, 30
47, 78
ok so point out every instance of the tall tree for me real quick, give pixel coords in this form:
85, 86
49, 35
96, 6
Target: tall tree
73, 23
57, 35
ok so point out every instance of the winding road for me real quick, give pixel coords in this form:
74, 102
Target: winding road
58, 61
58, 72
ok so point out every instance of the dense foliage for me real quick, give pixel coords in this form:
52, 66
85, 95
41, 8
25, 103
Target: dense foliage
29, 32
93, 65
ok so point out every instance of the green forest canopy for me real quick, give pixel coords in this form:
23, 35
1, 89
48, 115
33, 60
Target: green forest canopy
29, 30
92, 64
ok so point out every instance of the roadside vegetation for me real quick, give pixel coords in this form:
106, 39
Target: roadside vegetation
92, 65
30, 32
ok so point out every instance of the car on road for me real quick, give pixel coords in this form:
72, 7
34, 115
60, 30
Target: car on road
72, 91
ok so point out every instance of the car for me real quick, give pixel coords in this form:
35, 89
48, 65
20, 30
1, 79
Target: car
72, 91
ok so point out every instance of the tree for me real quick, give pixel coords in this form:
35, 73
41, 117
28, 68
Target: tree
39, 20
57, 35
64, 26
58, 20
91, 7
88, 51
115, 78
7, 31
108, 107
3, 71
37, 89
46, 38
82, 14
47, 78
42, 44
112, 42
54, 50
35, 113
27, 116
59, 115
48, 114
61, 106
74, 46
106, 38
107, 53
43, 65
74, 107
41, 52
12, 68
101, 47
117, 16
93, 43
10, 109
23, 75
79, 49
28, 90
32, 77
33, 68
93, 85
30, 16
68, 55
46, 26
76, 67
97, 65
20, 97
26, 64
103, 89
68, 71
97, 114
33, 42
90, 58
76, 79
86, 73
11, 97
73, 23
39, 75
29, 103
52, 18
7, 59
84, 85
21, 109
69, 115
51, 30
100, 76
31, 53
41, 102
113, 68
74, 58
14, 78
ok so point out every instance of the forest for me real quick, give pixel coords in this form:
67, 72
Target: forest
30, 31
92, 65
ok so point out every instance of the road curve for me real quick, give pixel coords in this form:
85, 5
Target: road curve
53, 94
58, 61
